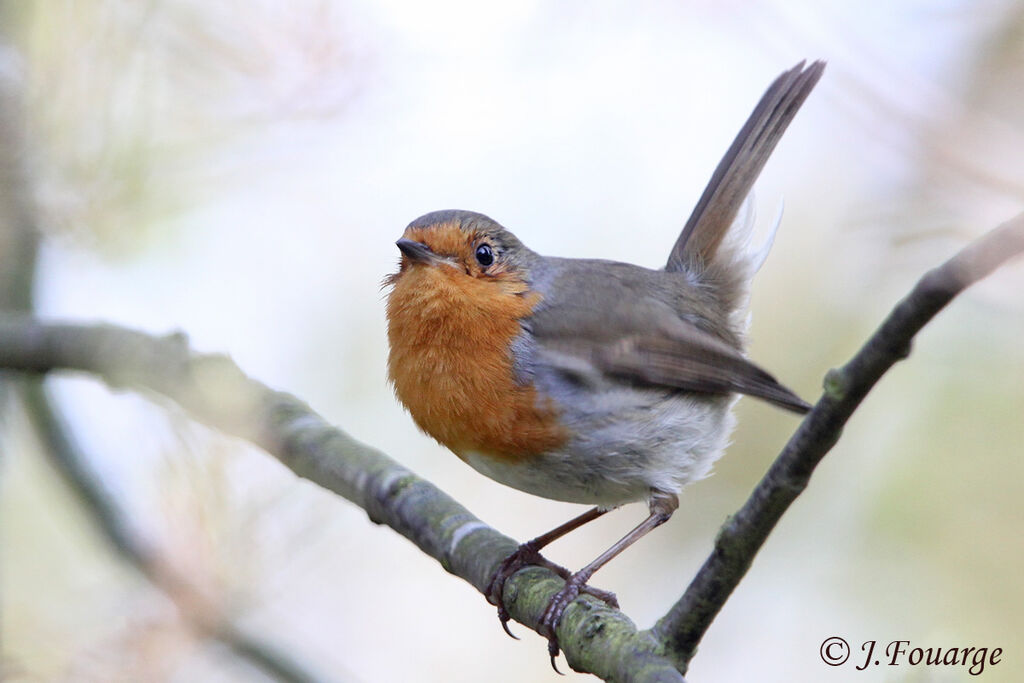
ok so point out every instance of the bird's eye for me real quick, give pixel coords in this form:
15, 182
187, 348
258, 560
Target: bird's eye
484, 255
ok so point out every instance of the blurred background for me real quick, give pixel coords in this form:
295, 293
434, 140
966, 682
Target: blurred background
241, 170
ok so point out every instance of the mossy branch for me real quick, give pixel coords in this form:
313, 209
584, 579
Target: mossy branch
214, 391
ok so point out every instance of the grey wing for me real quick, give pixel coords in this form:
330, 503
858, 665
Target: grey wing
643, 341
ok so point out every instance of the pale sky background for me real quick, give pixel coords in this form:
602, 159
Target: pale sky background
282, 152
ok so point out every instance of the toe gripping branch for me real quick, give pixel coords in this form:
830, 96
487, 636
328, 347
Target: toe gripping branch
662, 505
528, 555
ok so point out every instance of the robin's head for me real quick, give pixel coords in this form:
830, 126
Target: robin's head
462, 246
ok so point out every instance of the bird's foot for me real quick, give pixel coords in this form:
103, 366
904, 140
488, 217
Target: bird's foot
527, 555
574, 585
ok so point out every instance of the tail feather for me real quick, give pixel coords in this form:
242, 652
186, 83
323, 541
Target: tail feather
759, 254
701, 237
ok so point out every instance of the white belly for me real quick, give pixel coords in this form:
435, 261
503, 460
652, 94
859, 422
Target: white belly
620, 456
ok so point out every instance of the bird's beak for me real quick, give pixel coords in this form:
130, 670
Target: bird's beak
418, 252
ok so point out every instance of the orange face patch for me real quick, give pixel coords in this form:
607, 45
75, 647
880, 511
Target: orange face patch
450, 329
448, 240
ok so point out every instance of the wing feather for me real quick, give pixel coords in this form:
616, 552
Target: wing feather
651, 345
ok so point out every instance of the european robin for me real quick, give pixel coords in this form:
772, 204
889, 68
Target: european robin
582, 380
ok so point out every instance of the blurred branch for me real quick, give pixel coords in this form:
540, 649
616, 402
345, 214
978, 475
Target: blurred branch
742, 536
212, 389
198, 610
19, 238
595, 638
19, 247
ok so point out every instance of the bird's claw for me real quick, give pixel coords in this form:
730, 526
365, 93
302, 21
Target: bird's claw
574, 586
553, 652
522, 557
553, 614
527, 555
504, 617
607, 597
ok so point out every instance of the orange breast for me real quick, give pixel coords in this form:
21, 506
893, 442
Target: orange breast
451, 363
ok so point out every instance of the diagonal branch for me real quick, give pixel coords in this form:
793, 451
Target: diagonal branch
742, 536
213, 390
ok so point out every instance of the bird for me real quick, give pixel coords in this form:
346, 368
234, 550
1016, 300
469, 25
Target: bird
584, 380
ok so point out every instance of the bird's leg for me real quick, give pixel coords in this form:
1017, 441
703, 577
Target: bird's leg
662, 505
528, 554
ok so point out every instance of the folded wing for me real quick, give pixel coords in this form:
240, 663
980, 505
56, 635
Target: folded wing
653, 346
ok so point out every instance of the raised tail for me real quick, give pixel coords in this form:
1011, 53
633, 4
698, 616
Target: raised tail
699, 242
